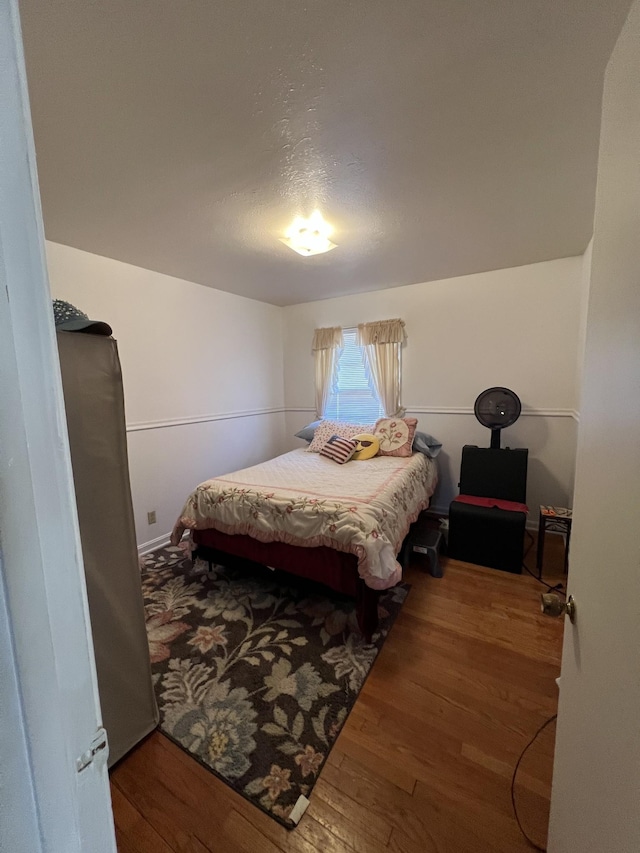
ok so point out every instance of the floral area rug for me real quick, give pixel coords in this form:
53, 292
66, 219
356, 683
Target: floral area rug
255, 672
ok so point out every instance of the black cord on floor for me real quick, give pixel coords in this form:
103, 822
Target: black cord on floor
531, 541
558, 587
555, 588
513, 782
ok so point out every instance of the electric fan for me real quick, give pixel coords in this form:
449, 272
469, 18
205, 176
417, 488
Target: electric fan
497, 408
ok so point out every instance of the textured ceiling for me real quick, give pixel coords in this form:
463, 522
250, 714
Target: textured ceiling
440, 137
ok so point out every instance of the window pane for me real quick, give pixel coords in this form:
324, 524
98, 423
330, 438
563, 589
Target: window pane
354, 398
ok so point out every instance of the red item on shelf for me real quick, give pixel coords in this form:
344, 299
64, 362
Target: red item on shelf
490, 503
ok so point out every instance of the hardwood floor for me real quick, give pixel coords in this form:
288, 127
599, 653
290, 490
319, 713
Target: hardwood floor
424, 762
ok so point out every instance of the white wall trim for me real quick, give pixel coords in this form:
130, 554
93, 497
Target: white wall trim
140, 426
465, 410
441, 410
435, 509
468, 410
159, 542
201, 419
548, 413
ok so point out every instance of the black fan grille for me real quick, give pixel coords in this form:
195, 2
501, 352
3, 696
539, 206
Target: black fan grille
497, 408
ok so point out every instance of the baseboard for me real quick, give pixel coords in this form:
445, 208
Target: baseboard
438, 510
152, 544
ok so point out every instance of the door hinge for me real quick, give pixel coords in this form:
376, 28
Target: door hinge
97, 753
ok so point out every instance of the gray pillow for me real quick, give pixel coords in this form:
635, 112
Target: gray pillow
427, 444
307, 432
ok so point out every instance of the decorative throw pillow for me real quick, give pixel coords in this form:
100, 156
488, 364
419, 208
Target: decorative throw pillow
328, 428
395, 435
367, 446
339, 449
307, 432
426, 444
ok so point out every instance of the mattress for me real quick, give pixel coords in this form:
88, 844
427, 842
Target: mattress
363, 508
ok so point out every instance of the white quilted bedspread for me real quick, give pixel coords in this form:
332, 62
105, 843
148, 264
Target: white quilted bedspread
363, 507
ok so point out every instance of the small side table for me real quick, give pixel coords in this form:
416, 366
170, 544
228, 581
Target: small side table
425, 540
557, 519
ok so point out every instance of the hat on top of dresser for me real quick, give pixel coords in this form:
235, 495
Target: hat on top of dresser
68, 318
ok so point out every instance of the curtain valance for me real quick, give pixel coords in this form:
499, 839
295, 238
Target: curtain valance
381, 332
329, 338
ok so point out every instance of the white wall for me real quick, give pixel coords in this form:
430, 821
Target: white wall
515, 327
208, 375
202, 372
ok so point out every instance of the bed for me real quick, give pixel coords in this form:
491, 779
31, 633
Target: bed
341, 525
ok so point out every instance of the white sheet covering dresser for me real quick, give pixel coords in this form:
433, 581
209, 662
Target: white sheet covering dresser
94, 402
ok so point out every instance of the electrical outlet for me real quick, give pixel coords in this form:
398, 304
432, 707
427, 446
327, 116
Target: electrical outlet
151, 517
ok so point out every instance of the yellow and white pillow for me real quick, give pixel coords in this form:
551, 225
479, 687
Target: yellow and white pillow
367, 446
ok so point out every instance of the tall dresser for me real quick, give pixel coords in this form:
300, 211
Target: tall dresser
94, 402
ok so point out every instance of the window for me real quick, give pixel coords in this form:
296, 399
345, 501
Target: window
353, 398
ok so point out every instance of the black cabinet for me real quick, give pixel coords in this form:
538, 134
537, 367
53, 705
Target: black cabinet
483, 532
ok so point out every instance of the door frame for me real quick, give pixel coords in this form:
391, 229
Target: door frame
49, 687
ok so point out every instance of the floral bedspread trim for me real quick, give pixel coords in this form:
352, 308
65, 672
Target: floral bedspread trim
372, 531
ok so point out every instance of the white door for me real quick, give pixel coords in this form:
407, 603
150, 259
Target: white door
48, 690
595, 804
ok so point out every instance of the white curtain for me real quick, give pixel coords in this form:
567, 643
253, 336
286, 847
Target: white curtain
327, 344
382, 344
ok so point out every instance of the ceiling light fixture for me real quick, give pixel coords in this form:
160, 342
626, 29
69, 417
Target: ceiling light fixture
309, 236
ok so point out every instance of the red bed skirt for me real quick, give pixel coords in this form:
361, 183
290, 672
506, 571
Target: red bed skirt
332, 568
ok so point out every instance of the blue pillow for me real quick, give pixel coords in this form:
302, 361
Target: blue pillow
307, 432
427, 444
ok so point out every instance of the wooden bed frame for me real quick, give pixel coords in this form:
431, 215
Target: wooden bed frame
334, 569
